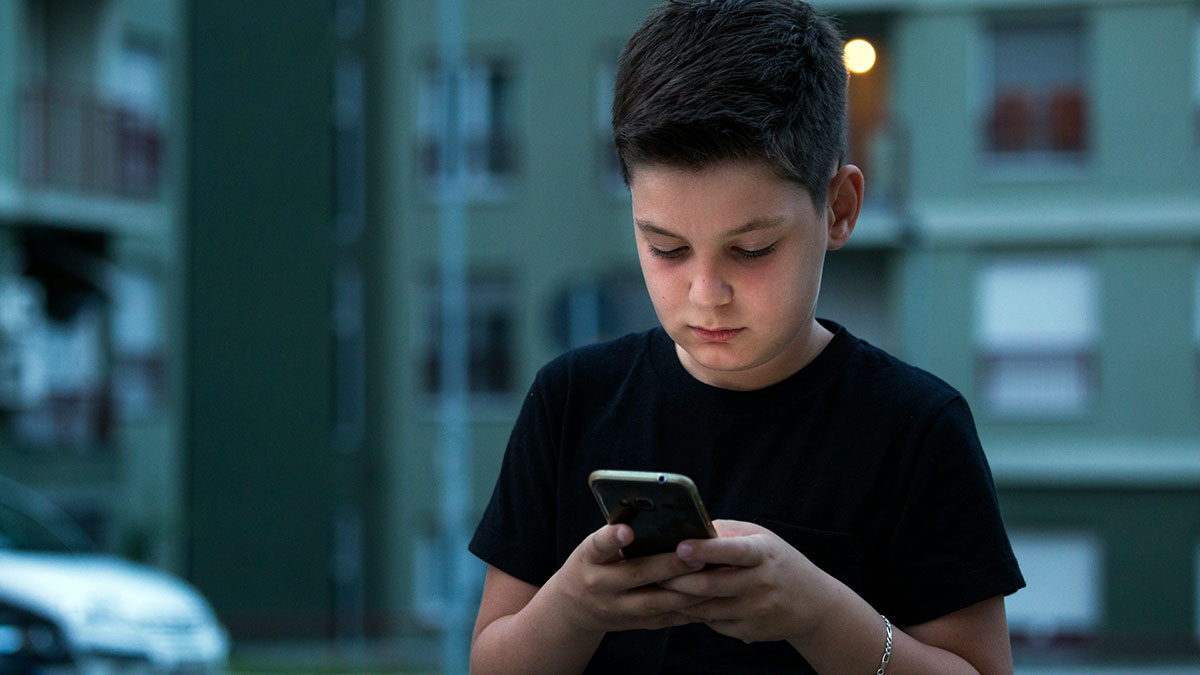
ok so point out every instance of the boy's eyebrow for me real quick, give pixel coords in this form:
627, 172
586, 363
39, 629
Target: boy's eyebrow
756, 224
647, 226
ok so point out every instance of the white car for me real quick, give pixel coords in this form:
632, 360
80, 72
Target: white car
63, 610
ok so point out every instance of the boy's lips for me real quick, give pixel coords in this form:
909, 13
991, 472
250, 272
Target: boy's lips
716, 334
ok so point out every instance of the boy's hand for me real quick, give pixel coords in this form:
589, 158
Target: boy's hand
767, 590
599, 591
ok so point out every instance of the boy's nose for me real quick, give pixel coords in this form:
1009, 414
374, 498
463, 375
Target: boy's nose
709, 289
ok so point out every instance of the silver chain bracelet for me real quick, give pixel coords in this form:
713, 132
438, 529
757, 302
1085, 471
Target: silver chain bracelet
887, 648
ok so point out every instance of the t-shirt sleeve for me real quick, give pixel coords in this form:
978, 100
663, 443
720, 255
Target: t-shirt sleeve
516, 532
950, 549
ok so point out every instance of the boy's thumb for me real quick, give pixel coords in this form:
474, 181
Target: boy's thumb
605, 544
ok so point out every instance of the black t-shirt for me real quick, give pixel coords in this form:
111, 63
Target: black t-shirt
868, 466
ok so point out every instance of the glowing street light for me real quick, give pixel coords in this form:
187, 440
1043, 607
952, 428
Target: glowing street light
860, 56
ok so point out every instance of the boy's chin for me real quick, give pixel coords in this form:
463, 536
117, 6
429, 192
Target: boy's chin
719, 361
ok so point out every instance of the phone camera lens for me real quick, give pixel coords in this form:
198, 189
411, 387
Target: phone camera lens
662, 478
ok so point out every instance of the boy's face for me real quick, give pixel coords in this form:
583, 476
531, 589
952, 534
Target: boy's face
732, 257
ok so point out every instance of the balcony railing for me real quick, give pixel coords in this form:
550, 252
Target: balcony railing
78, 142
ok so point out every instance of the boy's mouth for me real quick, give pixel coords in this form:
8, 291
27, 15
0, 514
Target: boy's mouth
716, 334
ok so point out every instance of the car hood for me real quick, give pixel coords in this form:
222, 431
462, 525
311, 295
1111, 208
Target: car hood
100, 601
61, 581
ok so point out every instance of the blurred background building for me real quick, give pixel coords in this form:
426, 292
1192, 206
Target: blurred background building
90, 250
220, 344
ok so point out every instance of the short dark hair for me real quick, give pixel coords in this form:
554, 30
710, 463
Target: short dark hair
703, 81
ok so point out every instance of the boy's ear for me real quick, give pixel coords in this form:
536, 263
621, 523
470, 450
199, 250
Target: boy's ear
842, 203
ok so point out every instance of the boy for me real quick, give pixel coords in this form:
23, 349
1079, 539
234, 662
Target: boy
853, 486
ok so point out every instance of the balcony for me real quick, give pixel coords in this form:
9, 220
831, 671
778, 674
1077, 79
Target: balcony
79, 143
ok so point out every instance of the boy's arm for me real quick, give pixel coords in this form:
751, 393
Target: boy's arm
770, 591
511, 637
971, 641
959, 632
555, 628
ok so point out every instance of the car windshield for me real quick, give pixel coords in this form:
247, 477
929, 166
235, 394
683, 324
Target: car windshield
18, 531
29, 522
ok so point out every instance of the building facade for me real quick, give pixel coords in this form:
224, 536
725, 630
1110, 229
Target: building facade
1031, 234
1051, 274
221, 282
89, 247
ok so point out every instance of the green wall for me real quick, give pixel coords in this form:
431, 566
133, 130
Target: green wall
259, 207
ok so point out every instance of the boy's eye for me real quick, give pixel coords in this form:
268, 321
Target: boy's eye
754, 253
672, 253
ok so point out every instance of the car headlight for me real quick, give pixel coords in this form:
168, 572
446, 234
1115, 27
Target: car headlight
12, 638
44, 641
38, 639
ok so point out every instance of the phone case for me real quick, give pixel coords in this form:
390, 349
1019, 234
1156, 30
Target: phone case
663, 508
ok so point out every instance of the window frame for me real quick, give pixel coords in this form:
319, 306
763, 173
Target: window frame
1017, 164
501, 137
1072, 628
1078, 350
489, 292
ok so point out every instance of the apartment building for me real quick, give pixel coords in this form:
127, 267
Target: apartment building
1051, 275
1031, 234
89, 245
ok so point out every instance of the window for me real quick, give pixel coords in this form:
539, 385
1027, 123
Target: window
58, 336
486, 118
490, 335
1038, 103
84, 127
1036, 328
875, 143
139, 369
82, 345
139, 120
588, 309
1061, 605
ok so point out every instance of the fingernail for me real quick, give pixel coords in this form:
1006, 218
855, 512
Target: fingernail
622, 536
685, 551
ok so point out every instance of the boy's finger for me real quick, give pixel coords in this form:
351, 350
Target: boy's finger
737, 551
604, 545
735, 528
723, 582
713, 610
653, 569
648, 601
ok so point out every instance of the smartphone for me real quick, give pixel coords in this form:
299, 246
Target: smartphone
663, 508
